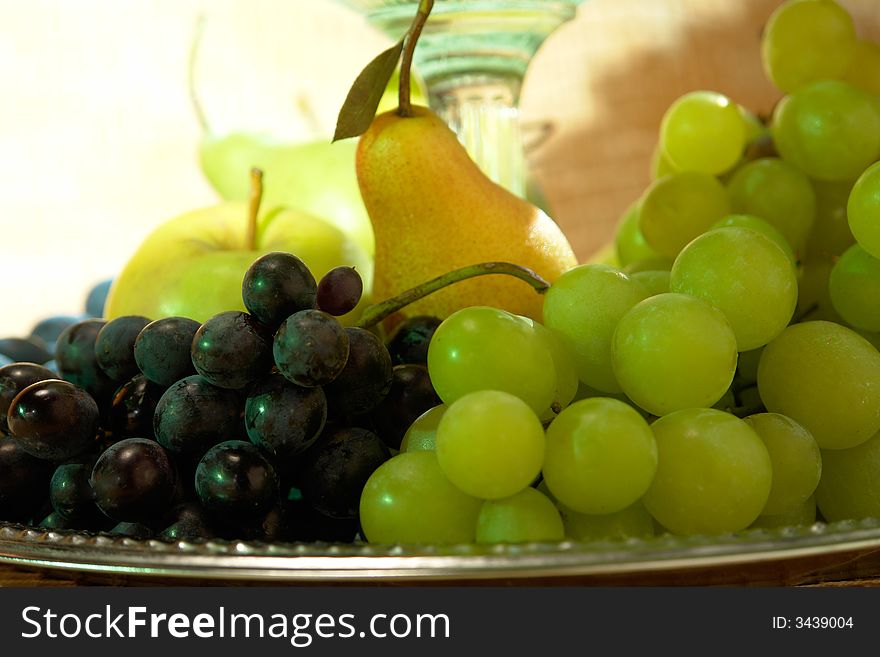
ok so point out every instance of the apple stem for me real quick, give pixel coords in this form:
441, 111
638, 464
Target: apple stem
404, 104
379, 311
256, 198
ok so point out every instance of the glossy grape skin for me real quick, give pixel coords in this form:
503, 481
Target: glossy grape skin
72, 497
562, 352
24, 480
632, 522
409, 342
24, 350
850, 483
409, 500
55, 521
336, 468
411, 394
236, 484
751, 222
232, 350
282, 418
339, 291
131, 411
134, 480
863, 208
629, 243
114, 346
803, 514
163, 349
54, 419
854, 286
654, 281
192, 416
831, 234
310, 348
366, 378
528, 516
186, 522
75, 356
276, 286
14, 378
422, 433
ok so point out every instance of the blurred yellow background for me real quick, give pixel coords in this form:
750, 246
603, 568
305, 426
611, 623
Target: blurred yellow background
98, 138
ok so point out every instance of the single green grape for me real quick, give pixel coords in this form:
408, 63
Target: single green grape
632, 522
703, 131
864, 70
863, 209
482, 348
826, 377
674, 351
656, 282
584, 305
422, 433
562, 351
795, 458
660, 263
677, 208
777, 192
829, 129
600, 456
713, 475
830, 235
660, 164
629, 242
807, 40
854, 287
850, 483
762, 226
408, 499
803, 514
490, 444
745, 275
528, 516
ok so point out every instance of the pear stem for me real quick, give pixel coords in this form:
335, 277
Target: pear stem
404, 104
379, 311
255, 199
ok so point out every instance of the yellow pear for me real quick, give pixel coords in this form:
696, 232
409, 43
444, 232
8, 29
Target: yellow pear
433, 210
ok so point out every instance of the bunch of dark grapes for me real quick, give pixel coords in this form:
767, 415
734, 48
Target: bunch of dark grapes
263, 424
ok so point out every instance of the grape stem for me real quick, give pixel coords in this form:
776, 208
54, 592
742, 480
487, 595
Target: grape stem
256, 197
404, 104
379, 311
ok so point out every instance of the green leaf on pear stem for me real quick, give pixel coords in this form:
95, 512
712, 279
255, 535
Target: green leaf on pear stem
365, 94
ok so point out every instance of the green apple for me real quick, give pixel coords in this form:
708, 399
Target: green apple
193, 265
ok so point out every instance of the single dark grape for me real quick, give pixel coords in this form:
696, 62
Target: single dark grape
97, 298
365, 379
48, 330
340, 290
284, 419
193, 415
163, 348
232, 350
186, 522
131, 530
236, 485
411, 395
54, 420
132, 408
114, 346
72, 497
336, 468
56, 521
133, 480
310, 348
75, 356
13, 379
276, 286
24, 481
410, 340
25, 350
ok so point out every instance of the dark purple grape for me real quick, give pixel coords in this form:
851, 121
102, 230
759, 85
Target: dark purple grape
97, 298
25, 350
410, 340
24, 480
131, 530
284, 419
340, 290
114, 346
236, 485
72, 497
75, 356
276, 286
163, 349
411, 395
134, 480
194, 415
336, 468
48, 330
56, 521
365, 379
131, 411
310, 348
13, 379
54, 420
186, 522
232, 350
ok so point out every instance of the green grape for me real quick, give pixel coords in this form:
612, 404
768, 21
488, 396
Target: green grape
795, 458
562, 352
422, 433
408, 499
753, 127
747, 365
660, 263
632, 522
656, 282
703, 131
713, 474
850, 483
629, 242
762, 226
863, 209
830, 235
854, 286
803, 514
814, 298
826, 377
584, 305
807, 40
830, 130
490, 444
674, 351
746, 276
677, 208
864, 70
600, 456
777, 192
660, 164
481, 348
528, 516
